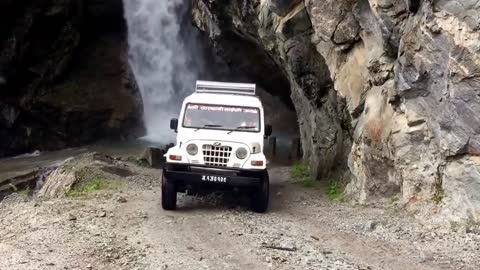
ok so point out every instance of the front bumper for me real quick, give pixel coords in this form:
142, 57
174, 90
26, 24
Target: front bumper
198, 175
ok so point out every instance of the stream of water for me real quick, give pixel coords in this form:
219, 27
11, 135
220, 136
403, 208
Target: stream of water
167, 54
163, 59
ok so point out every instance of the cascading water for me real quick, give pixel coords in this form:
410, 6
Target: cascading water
161, 59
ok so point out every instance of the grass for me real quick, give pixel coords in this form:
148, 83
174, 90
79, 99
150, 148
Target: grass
335, 190
98, 183
300, 171
302, 175
309, 183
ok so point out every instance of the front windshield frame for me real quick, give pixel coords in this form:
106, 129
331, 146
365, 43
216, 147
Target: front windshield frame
257, 130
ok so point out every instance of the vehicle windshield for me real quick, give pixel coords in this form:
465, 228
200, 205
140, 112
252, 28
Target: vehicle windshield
222, 117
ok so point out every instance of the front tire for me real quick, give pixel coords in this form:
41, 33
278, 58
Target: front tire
169, 194
260, 196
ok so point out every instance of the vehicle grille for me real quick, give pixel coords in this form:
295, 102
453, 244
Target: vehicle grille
216, 155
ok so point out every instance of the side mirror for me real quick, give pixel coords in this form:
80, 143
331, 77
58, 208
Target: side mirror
174, 124
268, 130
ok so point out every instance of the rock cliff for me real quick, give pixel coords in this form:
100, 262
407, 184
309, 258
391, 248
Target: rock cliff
388, 89
64, 77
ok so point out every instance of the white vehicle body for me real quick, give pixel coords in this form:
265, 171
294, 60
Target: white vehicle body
215, 95
220, 135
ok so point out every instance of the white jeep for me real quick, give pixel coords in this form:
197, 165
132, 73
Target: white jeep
220, 139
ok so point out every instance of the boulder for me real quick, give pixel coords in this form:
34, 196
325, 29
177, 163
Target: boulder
58, 183
96, 169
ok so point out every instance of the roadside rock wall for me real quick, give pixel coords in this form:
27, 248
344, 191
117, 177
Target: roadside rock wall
389, 88
277, 52
64, 75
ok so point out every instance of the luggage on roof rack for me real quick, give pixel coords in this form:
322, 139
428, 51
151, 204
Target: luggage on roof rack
225, 88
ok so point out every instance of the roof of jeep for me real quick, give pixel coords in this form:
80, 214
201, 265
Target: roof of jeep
224, 99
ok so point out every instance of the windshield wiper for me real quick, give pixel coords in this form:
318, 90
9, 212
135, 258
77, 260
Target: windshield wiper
241, 127
209, 126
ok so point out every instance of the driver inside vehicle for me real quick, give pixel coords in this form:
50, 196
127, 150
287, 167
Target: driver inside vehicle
249, 122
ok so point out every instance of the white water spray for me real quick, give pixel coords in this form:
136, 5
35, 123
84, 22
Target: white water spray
160, 61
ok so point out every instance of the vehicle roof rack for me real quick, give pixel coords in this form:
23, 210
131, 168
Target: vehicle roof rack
225, 88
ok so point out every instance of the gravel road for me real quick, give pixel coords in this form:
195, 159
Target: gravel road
127, 229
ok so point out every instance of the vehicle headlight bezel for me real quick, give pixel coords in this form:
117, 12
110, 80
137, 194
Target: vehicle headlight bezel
192, 149
241, 153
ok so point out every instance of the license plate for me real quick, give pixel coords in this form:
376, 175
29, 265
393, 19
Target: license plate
214, 178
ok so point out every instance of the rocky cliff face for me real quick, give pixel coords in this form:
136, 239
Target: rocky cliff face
388, 88
64, 77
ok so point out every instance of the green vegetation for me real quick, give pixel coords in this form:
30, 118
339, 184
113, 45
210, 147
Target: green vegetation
98, 183
394, 200
438, 196
302, 175
25, 193
300, 171
309, 183
335, 190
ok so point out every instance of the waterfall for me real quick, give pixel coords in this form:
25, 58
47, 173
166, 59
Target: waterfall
162, 59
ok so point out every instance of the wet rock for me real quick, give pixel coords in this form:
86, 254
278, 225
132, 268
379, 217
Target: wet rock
55, 80
287, 56
12, 182
8, 114
282, 7
387, 88
154, 157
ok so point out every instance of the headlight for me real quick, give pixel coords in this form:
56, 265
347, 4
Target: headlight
192, 149
242, 153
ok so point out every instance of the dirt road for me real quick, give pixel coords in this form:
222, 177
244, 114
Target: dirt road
127, 229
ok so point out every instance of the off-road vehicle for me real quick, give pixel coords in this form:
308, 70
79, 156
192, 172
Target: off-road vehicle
220, 140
